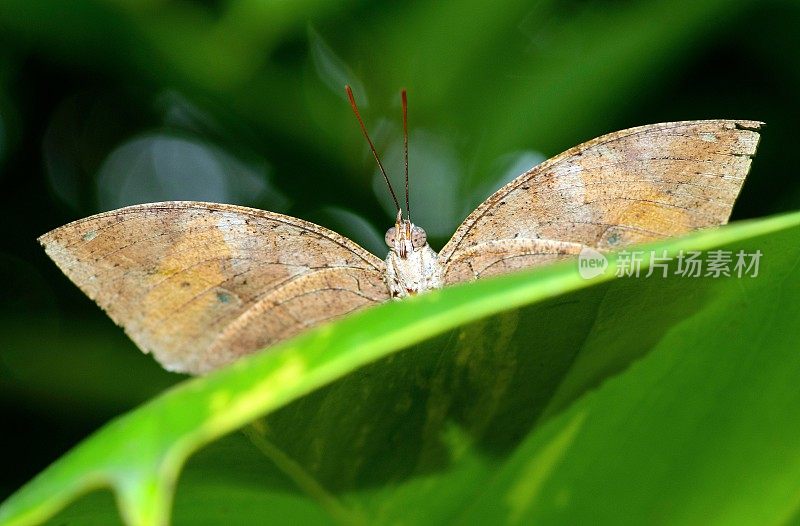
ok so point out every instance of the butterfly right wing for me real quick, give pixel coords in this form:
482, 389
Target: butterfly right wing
200, 284
492, 258
630, 186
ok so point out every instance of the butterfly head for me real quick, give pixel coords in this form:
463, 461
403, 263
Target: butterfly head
405, 237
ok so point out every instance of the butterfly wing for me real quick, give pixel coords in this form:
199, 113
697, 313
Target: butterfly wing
492, 258
200, 284
627, 187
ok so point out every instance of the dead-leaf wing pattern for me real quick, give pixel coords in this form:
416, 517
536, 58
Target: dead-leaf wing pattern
626, 187
492, 258
182, 278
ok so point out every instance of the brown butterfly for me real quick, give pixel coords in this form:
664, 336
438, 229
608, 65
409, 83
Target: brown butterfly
201, 284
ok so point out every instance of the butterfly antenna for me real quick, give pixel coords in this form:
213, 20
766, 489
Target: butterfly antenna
405, 146
371, 146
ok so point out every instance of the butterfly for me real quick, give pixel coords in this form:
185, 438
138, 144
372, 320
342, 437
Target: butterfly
199, 285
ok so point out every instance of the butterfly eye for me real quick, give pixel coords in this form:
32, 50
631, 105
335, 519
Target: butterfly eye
390, 236
418, 237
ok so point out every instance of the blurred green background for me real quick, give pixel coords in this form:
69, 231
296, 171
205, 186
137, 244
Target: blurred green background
105, 103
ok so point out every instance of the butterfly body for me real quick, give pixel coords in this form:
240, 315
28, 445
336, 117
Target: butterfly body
201, 284
412, 266
417, 272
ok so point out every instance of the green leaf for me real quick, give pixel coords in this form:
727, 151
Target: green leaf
704, 430
538, 395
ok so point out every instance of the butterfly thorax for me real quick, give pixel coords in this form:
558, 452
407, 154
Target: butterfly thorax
412, 266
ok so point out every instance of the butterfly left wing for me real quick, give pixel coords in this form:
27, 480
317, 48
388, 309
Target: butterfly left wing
200, 284
627, 187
